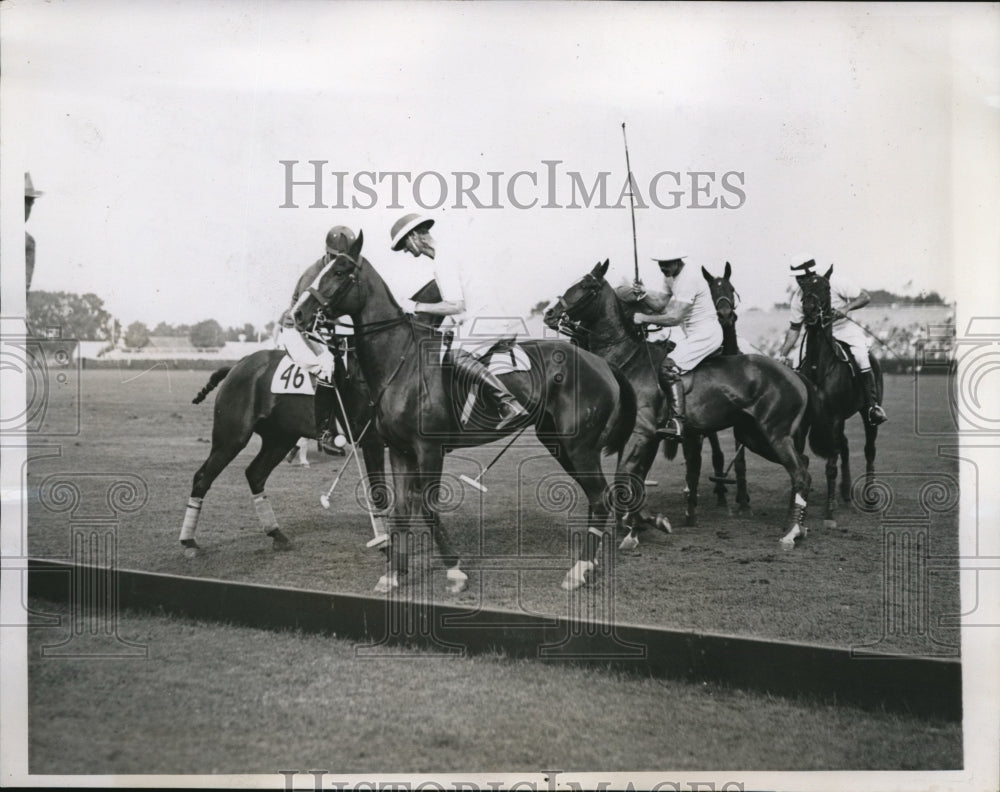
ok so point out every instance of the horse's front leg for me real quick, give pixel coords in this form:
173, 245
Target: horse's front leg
379, 486
740, 466
829, 518
629, 492
400, 521
598, 496
430, 503
718, 468
846, 480
692, 458
797, 466
871, 435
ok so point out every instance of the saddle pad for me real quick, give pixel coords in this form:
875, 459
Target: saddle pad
506, 361
290, 377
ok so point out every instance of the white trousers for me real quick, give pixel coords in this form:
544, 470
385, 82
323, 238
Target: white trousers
855, 338
312, 356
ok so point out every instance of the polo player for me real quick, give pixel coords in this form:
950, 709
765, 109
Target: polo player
686, 302
844, 297
412, 234
30, 194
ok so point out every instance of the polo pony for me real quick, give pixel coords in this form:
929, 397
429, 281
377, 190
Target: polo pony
577, 403
771, 408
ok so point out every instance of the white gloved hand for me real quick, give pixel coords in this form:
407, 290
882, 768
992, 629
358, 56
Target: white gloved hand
409, 306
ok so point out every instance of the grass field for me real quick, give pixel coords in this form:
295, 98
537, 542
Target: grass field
213, 698
726, 574
217, 699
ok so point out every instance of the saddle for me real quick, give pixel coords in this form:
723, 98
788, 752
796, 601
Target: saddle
688, 379
844, 354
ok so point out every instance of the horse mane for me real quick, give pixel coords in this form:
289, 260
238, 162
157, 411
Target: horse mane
626, 310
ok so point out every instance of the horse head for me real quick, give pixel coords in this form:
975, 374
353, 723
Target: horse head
816, 309
334, 290
724, 296
578, 305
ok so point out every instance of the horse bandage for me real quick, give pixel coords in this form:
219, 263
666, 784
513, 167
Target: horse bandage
264, 512
191, 518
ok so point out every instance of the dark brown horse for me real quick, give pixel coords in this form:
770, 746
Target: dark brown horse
825, 362
771, 409
577, 403
724, 297
245, 405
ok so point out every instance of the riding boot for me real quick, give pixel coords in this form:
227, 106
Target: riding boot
324, 404
510, 408
876, 414
673, 389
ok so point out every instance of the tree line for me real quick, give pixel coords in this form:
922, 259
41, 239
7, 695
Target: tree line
84, 318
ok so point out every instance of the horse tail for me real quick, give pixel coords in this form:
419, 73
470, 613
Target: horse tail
821, 439
215, 379
627, 411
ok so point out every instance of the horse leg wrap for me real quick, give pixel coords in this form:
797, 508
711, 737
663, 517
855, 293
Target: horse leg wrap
191, 514
798, 510
264, 513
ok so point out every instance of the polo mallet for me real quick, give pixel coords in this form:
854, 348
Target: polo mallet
724, 478
631, 198
380, 535
475, 483
325, 499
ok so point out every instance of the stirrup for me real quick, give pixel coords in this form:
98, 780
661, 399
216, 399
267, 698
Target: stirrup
876, 415
671, 430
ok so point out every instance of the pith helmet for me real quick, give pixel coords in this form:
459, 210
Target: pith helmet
666, 250
339, 239
405, 225
29, 188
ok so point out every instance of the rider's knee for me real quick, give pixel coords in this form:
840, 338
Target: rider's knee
861, 357
669, 369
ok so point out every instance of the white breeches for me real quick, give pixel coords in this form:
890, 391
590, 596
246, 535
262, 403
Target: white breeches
853, 336
694, 348
312, 356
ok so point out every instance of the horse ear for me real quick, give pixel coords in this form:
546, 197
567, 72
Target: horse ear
706, 274
355, 250
729, 271
829, 272
600, 269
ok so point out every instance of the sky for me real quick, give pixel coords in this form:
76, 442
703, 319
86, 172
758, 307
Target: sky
157, 132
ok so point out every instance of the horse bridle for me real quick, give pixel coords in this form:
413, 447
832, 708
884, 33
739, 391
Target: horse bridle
720, 301
566, 324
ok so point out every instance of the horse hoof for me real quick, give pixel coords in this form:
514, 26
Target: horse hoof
663, 524
387, 583
192, 551
577, 576
458, 579
281, 543
788, 540
829, 523
690, 520
630, 542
